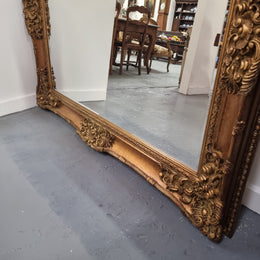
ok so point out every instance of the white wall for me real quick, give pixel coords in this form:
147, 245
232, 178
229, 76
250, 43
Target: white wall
141, 3
170, 15
252, 193
201, 56
17, 63
80, 46
125, 5
156, 10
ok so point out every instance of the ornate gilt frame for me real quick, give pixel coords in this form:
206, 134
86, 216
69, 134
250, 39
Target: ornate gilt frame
210, 197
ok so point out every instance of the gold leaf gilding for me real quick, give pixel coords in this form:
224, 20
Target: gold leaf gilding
201, 194
33, 18
45, 98
242, 57
95, 135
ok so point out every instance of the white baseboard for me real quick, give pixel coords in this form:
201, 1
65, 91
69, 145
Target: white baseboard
198, 91
17, 104
251, 197
85, 95
195, 91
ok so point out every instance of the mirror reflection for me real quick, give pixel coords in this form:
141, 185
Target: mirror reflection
155, 79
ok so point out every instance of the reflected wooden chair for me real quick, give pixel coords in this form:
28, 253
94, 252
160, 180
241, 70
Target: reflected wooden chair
115, 44
134, 36
151, 21
162, 52
158, 50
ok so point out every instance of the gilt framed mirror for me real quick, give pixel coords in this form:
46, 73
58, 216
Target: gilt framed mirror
209, 196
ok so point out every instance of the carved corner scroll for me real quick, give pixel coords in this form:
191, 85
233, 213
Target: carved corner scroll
45, 98
202, 194
242, 58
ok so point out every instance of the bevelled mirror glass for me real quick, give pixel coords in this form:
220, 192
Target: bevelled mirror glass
150, 106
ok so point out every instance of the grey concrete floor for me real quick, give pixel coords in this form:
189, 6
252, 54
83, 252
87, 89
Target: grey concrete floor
150, 107
60, 199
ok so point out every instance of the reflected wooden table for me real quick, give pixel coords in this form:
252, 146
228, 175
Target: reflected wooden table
151, 31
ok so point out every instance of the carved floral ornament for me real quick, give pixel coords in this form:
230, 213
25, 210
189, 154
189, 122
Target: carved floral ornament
202, 194
242, 57
95, 135
34, 20
45, 98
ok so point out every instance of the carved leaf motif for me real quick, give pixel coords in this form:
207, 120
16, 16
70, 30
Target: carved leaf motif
176, 182
44, 95
202, 194
238, 128
242, 58
95, 135
33, 18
